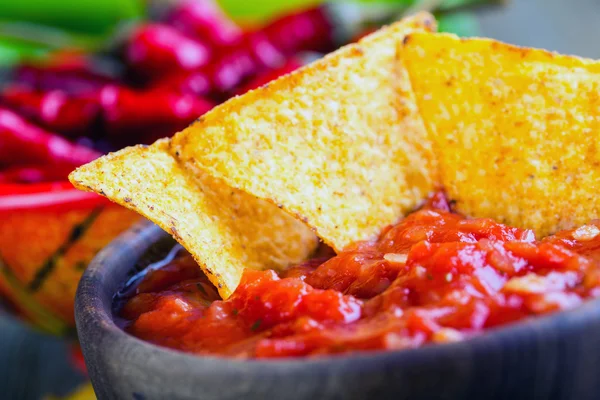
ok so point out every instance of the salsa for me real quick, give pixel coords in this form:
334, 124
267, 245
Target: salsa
434, 277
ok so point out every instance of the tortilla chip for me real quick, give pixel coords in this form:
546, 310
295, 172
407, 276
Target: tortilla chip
339, 143
516, 131
224, 229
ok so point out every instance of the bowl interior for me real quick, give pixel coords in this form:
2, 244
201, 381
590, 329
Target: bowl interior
554, 356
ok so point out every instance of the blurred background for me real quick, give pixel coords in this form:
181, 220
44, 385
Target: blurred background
566, 26
81, 78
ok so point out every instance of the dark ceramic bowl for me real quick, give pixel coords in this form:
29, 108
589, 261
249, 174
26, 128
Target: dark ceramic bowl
553, 357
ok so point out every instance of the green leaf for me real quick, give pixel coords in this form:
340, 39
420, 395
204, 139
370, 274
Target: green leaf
255, 325
261, 9
461, 23
439, 4
453, 4
14, 51
89, 16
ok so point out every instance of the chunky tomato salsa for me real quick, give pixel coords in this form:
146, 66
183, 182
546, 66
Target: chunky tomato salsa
434, 277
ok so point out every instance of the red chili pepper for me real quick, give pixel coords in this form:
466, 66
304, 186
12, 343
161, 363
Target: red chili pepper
23, 143
257, 51
307, 30
194, 82
204, 20
55, 110
55, 195
133, 117
215, 80
77, 359
156, 49
70, 78
254, 54
263, 50
232, 67
291, 65
34, 174
234, 64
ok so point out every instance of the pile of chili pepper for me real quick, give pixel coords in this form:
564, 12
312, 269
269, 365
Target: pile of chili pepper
57, 116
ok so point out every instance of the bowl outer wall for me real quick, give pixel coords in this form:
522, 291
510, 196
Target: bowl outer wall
550, 357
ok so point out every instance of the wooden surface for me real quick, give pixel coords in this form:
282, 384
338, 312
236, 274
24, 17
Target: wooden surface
33, 365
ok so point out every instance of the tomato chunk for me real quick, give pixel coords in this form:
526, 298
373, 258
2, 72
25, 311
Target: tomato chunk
434, 277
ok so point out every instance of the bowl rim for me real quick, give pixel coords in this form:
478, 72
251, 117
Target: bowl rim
92, 315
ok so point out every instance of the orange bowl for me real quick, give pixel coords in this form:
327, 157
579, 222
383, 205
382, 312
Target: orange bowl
48, 234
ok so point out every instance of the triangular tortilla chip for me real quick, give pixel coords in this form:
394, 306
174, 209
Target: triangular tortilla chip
338, 143
224, 229
516, 131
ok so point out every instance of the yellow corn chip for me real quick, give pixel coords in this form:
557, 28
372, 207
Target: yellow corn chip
516, 131
338, 143
225, 230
